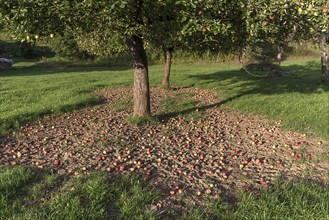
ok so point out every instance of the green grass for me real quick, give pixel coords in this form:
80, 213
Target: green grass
297, 200
141, 120
125, 103
37, 194
26, 93
27, 193
30, 91
299, 99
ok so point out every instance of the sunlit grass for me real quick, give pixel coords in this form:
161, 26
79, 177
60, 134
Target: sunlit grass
298, 99
38, 194
27, 193
297, 200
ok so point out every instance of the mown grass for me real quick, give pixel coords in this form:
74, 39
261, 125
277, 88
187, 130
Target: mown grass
298, 200
37, 194
27, 193
27, 93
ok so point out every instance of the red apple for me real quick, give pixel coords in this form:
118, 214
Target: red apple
56, 162
264, 184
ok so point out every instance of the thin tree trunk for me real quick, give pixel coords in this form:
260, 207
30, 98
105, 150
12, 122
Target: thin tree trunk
166, 72
324, 58
141, 81
279, 58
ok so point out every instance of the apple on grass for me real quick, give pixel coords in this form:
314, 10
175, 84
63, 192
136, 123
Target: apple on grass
264, 184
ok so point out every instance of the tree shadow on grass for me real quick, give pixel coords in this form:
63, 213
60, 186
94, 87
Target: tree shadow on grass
302, 79
15, 121
35, 68
166, 116
298, 90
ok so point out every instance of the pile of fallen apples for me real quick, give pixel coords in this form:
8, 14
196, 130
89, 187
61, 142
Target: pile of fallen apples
196, 158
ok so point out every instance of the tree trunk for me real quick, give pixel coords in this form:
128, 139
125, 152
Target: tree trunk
279, 58
324, 58
166, 72
141, 81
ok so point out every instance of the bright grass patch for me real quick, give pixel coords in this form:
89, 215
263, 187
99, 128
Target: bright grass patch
296, 200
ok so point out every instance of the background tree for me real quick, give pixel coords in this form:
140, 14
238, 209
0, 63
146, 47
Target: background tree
317, 13
279, 23
276, 24
168, 28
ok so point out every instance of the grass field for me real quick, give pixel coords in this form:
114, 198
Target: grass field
36, 194
29, 91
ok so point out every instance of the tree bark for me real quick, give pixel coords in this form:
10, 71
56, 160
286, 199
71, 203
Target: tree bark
166, 72
324, 58
141, 81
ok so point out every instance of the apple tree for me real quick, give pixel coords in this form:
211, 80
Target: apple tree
282, 22
196, 26
118, 24
276, 23
105, 27
317, 13
168, 28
